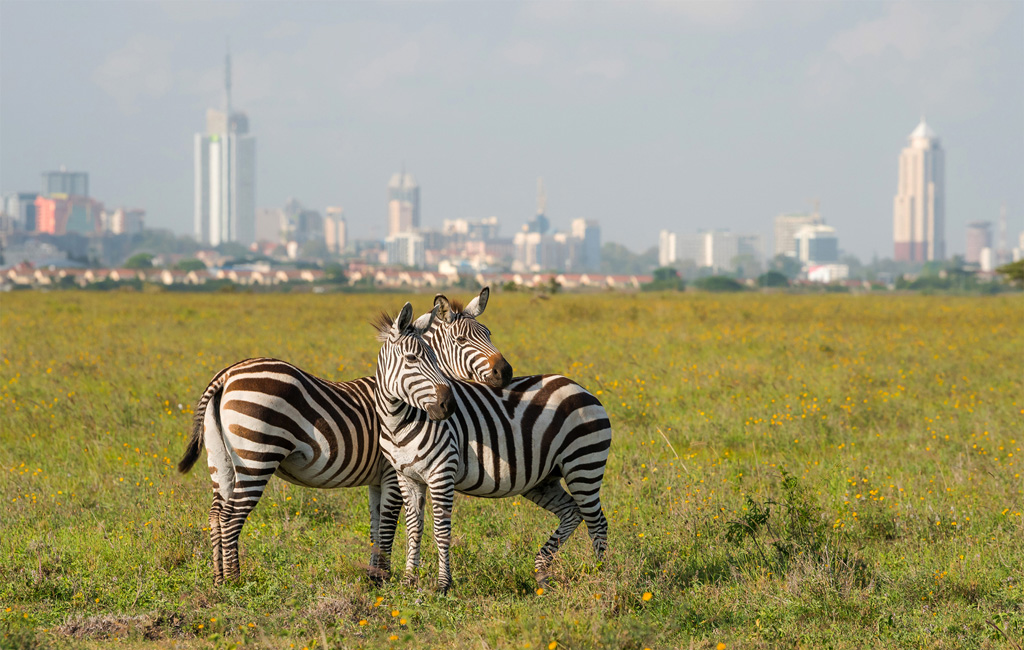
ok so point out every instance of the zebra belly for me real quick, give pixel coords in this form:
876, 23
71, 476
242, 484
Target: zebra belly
297, 471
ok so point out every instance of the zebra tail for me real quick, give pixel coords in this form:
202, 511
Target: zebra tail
195, 443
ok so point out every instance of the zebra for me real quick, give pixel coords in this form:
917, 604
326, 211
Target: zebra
263, 416
520, 440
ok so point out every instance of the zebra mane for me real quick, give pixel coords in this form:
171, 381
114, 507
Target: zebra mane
457, 306
383, 323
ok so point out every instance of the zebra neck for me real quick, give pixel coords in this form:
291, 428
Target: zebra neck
397, 416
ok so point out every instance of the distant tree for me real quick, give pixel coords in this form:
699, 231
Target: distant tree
139, 261
467, 282
746, 265
666, 278
233, 249
617, 259
772, 279
718, 284
315, 249
191, 264
1013, 272
786, 265
159, 242
335, 273
510, 286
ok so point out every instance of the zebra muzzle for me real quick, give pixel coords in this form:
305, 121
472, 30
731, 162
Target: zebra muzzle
444, 405
500, 374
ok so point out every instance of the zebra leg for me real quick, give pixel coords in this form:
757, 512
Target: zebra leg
222, 475
375, 573
249, 486
390, 510
442, 497
413, 495
553, 498
585, 485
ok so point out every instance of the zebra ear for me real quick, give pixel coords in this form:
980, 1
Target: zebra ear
424, 322
444, 308
477, 305
402, 322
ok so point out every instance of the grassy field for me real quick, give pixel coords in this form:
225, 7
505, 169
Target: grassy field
787, 471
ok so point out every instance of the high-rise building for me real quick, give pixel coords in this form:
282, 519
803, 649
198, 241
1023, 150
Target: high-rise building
979, 237
588, 232
786, 227
225, 175
817, 244
124, 221
335, 229
65, 182
540, 223
406, 248
919, 209
21, 207
666, 248
718, 250
403, 204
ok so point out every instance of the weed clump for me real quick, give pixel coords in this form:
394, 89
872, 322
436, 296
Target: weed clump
792, 532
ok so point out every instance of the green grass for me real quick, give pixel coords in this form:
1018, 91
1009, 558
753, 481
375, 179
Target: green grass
899, 419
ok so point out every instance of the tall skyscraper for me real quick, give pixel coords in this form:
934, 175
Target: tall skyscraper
403, 204
335, 229
666, 248
65, 182
919, 209
588, 232
225, 175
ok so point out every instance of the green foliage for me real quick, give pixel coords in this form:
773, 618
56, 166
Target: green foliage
139, 261
718, 284
786, 265
798, 532
335, 273
1013, 272
157, 242
666, 278
895, 415
617, 259
190, 264
773, 278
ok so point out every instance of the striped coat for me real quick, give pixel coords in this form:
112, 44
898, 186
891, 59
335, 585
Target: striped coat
523, 439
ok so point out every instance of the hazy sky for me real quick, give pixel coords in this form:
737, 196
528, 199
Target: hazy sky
641, 115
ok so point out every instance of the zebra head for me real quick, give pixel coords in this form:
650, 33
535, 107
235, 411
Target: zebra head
463, 344
407, 368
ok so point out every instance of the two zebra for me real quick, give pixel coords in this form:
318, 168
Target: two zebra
503, 437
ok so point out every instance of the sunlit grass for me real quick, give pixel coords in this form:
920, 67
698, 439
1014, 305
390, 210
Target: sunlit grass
901, 417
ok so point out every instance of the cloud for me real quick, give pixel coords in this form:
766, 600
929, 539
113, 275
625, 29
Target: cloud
610, 68
141, 68
523, 53
934, 51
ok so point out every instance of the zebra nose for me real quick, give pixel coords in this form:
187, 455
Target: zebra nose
445, 404
500, 374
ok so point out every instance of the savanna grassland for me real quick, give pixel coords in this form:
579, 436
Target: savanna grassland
787, 471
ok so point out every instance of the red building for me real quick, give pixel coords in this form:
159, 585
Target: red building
60, 214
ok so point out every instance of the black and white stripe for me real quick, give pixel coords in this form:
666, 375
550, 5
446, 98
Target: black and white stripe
262, 417
521, 440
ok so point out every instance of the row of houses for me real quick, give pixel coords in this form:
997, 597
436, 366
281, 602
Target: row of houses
25, 275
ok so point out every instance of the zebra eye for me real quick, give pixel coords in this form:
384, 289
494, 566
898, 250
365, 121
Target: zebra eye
411, 358
461, 340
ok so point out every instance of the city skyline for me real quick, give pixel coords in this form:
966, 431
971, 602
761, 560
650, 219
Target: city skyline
616, 123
